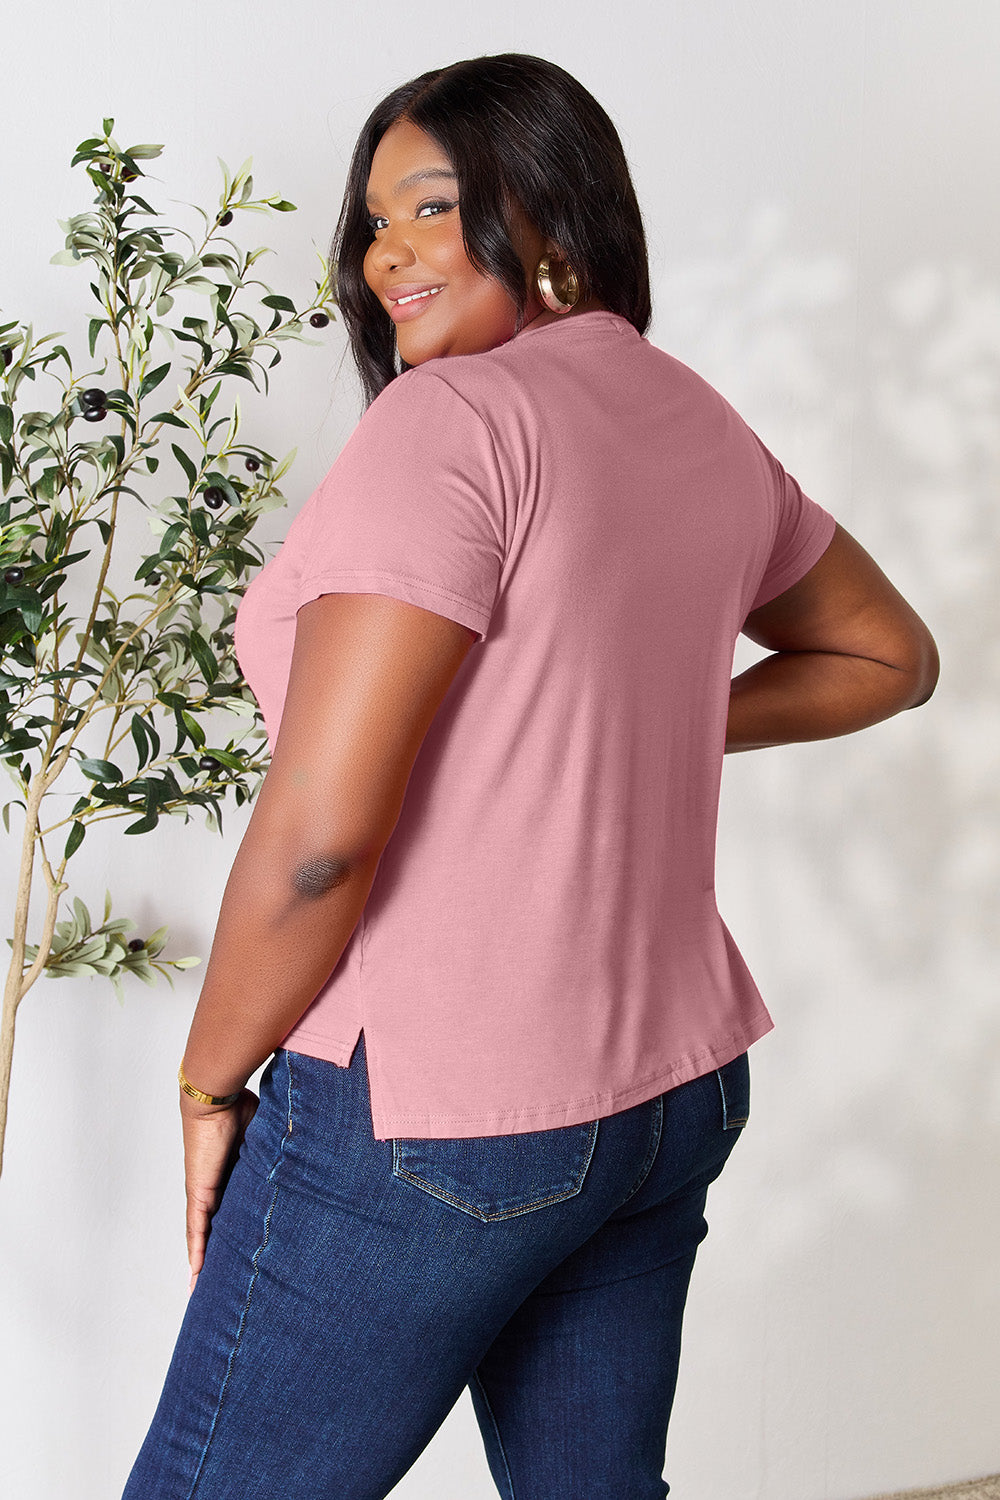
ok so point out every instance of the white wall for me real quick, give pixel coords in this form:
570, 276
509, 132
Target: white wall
820, 190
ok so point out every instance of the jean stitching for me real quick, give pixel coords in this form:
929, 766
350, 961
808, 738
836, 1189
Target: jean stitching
729, 1122
250, 1289
654, 1146
496, 1433
434, 1191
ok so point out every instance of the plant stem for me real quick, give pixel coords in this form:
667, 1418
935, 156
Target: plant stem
18, 982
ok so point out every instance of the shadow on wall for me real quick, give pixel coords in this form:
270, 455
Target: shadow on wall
880, 852
860, 878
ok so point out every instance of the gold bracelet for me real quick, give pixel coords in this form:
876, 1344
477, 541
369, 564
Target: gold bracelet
194, 1093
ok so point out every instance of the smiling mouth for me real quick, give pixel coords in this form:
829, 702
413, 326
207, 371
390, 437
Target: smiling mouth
415, 297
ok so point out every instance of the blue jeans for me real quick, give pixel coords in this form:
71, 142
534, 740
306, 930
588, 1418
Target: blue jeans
353, 1287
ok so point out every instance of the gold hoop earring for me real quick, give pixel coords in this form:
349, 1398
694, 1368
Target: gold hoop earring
558, 299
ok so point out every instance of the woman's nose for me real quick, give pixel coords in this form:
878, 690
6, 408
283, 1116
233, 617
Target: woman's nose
393, 248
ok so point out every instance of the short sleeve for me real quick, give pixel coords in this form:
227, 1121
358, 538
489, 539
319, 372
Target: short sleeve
413, 507
803, 531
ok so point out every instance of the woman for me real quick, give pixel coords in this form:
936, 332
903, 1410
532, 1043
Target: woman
472, 917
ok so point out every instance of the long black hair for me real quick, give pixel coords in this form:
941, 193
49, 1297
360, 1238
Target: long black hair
515, 128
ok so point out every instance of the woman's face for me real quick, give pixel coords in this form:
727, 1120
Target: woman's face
417, 248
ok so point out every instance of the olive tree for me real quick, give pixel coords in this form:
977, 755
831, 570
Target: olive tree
116, 693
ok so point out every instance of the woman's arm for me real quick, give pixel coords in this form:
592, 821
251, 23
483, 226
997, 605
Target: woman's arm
368, 674
848, 652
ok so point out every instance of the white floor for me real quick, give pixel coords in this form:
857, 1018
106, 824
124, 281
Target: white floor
977, 1489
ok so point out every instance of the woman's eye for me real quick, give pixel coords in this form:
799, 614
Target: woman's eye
426, 210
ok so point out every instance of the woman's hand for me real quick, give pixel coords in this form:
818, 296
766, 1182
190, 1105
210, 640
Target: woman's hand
212, 1138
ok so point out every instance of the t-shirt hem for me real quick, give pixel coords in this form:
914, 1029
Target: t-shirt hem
327, 1049
397, 586
395, 1124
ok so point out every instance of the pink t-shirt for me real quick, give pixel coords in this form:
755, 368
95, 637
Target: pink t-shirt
541, 945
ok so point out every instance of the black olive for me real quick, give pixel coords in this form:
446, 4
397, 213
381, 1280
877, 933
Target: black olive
214, 497
136, 945
226, 218
208, 763
251, 465
153, 578
8, 355
13, 575
94, 396
94, 413
319, 320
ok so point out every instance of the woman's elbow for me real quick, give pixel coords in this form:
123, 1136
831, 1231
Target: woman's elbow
925, 666
930, 669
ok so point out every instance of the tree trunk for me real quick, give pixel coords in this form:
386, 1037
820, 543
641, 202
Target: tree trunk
6, 1058
16, 986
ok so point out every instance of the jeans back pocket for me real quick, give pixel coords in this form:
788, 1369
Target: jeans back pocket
734, 1085
499, 1176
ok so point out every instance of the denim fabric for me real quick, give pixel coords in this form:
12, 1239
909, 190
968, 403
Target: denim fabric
354, 1287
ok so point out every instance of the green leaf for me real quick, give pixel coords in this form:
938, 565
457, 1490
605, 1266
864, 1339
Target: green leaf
227, 758
282, 206
100, 770
143, 153
207, 402
152, 464
141, 739
193, 728
199, 525
108, 125
222, 482
283, 304
83, 923
206, 661
185, 463
230, 367
31, 613
6, 812
6, 424
144, 825
154, 738
169, 537
152, 380
12, 744
75, 839
45, 484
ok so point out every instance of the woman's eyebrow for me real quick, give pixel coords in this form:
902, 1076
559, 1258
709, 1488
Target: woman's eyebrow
407, 182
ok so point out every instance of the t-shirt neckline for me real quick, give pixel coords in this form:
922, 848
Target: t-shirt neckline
598, 318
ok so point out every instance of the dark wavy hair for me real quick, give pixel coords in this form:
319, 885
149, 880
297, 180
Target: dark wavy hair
514, 127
